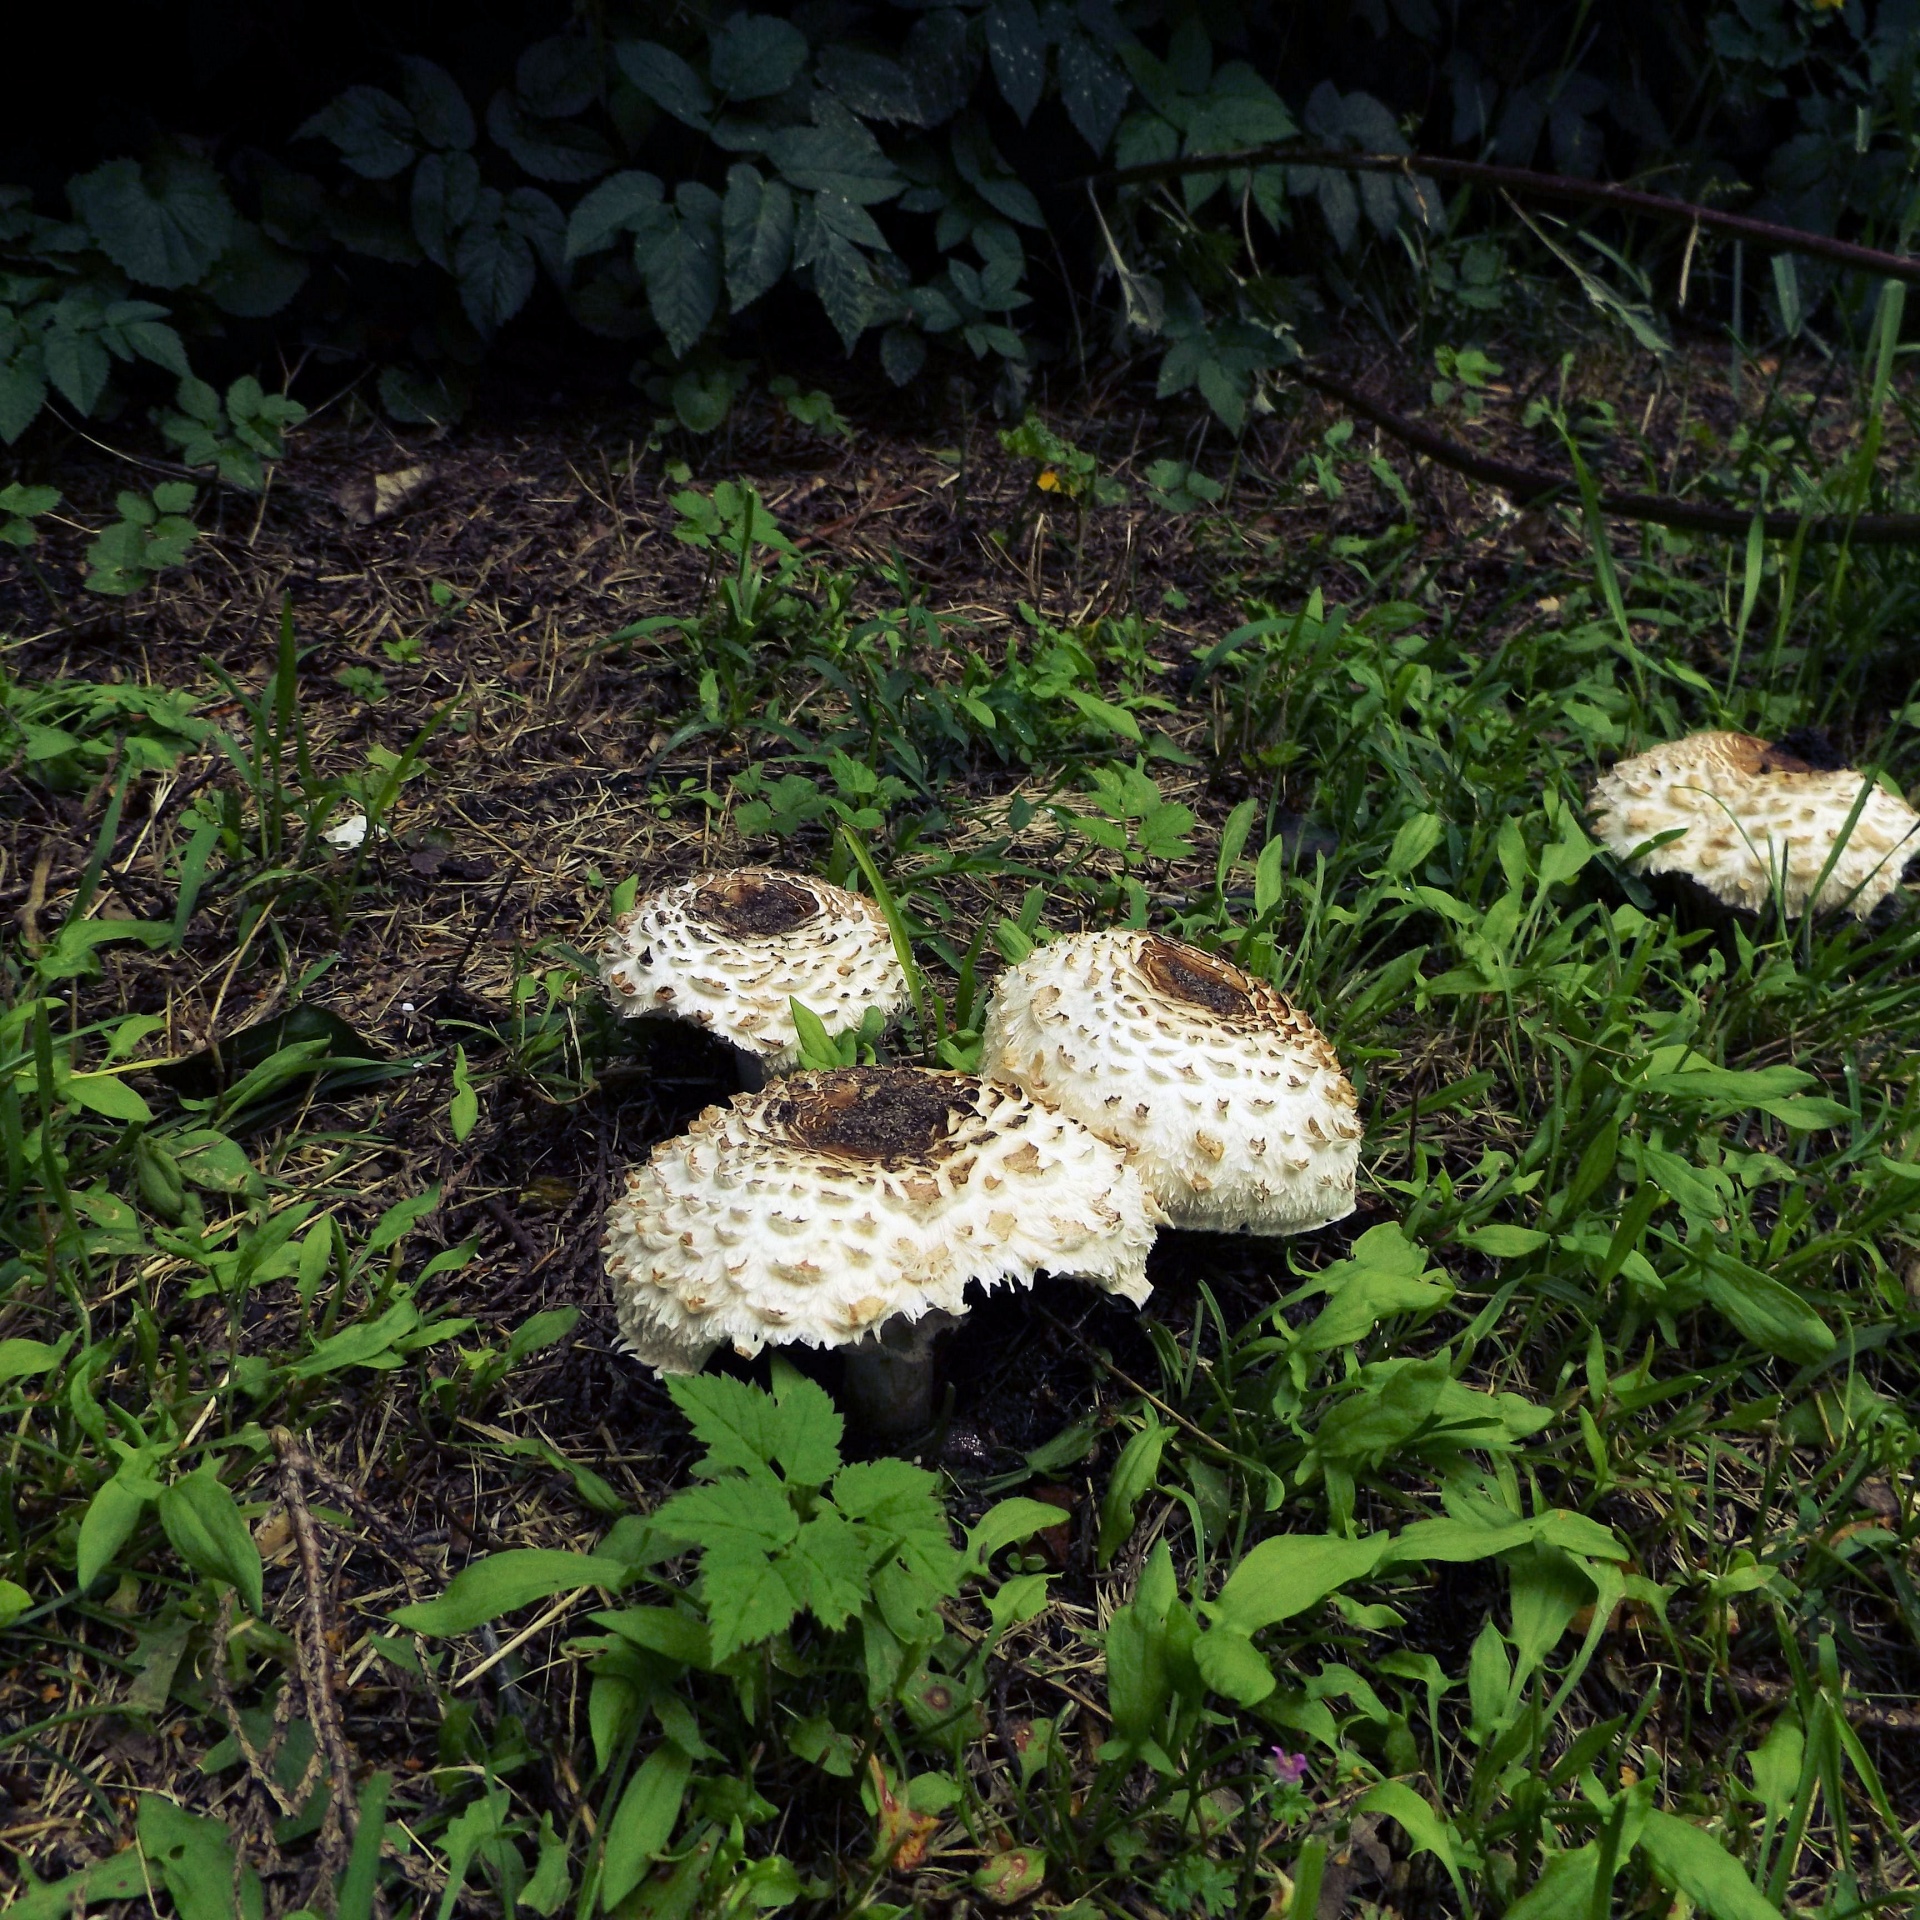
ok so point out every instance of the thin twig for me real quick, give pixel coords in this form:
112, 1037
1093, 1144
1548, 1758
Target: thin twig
1543, 186
1536, 486
341, 1823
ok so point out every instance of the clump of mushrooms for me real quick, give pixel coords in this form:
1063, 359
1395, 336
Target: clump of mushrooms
1752, 817
731, 951
1228, 1099
853, 1209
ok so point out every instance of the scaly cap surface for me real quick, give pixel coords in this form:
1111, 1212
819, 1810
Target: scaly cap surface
1229, 1098
1748, 813
830, 1202
729, 951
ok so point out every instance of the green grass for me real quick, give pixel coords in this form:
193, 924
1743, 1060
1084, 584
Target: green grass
1556, 1512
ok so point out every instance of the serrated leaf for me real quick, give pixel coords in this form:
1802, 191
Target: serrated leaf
743, 1428
748, 1598
826, 1568
626, 202
446, 189
903, 353
942, 60
77, 364
493, 266
439, 108
844, 281
757, 226
558, 150
1018, 50
682, 274
753, 56
740, 1514
165, 225
534, 216
373, 131
870, 84
1094, 89
666, 80
254, 279
835, 155
23, 392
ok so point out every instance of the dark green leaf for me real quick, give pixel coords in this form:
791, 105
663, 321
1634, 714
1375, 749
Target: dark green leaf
903, 352
869, 84
623, 203
493, 265
560, 150
439, 108
1094, 88
23, 392
1018, 50
835, 155
754, 56
163, 226
374, 132
1694, 1863
942, 60
446, 189
844, 281
253, 279
757, 223
743, 1428
559, 76
681, 267
666, 80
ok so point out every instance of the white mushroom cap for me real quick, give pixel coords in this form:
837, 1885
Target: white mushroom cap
830, 1202
1229, 1098
731, 951
1751, 814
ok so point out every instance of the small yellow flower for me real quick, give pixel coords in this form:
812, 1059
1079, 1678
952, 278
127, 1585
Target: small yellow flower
1048, 481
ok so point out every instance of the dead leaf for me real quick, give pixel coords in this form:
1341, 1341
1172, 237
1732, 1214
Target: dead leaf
378, 496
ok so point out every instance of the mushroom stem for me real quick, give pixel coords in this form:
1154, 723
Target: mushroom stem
889, 1374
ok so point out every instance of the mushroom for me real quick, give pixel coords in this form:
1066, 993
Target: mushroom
1228, 1098
1753, 816
849, 1209
731, 951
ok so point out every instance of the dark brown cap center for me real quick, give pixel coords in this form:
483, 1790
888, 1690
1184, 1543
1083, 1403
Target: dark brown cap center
889, 1114
754, 903
1200, 979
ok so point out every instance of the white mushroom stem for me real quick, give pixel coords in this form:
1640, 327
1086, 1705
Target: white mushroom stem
889, 1379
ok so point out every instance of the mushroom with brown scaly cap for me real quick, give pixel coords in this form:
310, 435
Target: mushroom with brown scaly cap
731, 951
1229, 1099
850, 1209
1752, 816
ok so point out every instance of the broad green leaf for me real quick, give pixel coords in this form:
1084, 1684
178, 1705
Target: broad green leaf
1094, 89
1286, 1575
738, 1512
643, 1822
1564, 1890
835, 155
109, 1095
14, 1601
493, 265
194, 1856
1416, 839
1133, 1473
1004, 1523
826, 1568
110, 1518
663, 1630
208, 1533
843, 280
681, 267
19, 1358
1232, 1665
1504, 1242
749, 1596
1428, 1832
1766, 1312
360, 1345
1694, 1863
446, 189
1104, 713
439, 108
556, 150
503, 1582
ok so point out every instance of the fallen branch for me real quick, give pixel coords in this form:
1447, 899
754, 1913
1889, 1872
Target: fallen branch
1542, 186
1536, 486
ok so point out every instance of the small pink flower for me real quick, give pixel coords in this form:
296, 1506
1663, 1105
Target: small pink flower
1289, 1769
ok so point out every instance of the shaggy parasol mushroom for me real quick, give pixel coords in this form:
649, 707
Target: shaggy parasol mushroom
852, 1209
731, 951
1229, 1099
1752, 816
